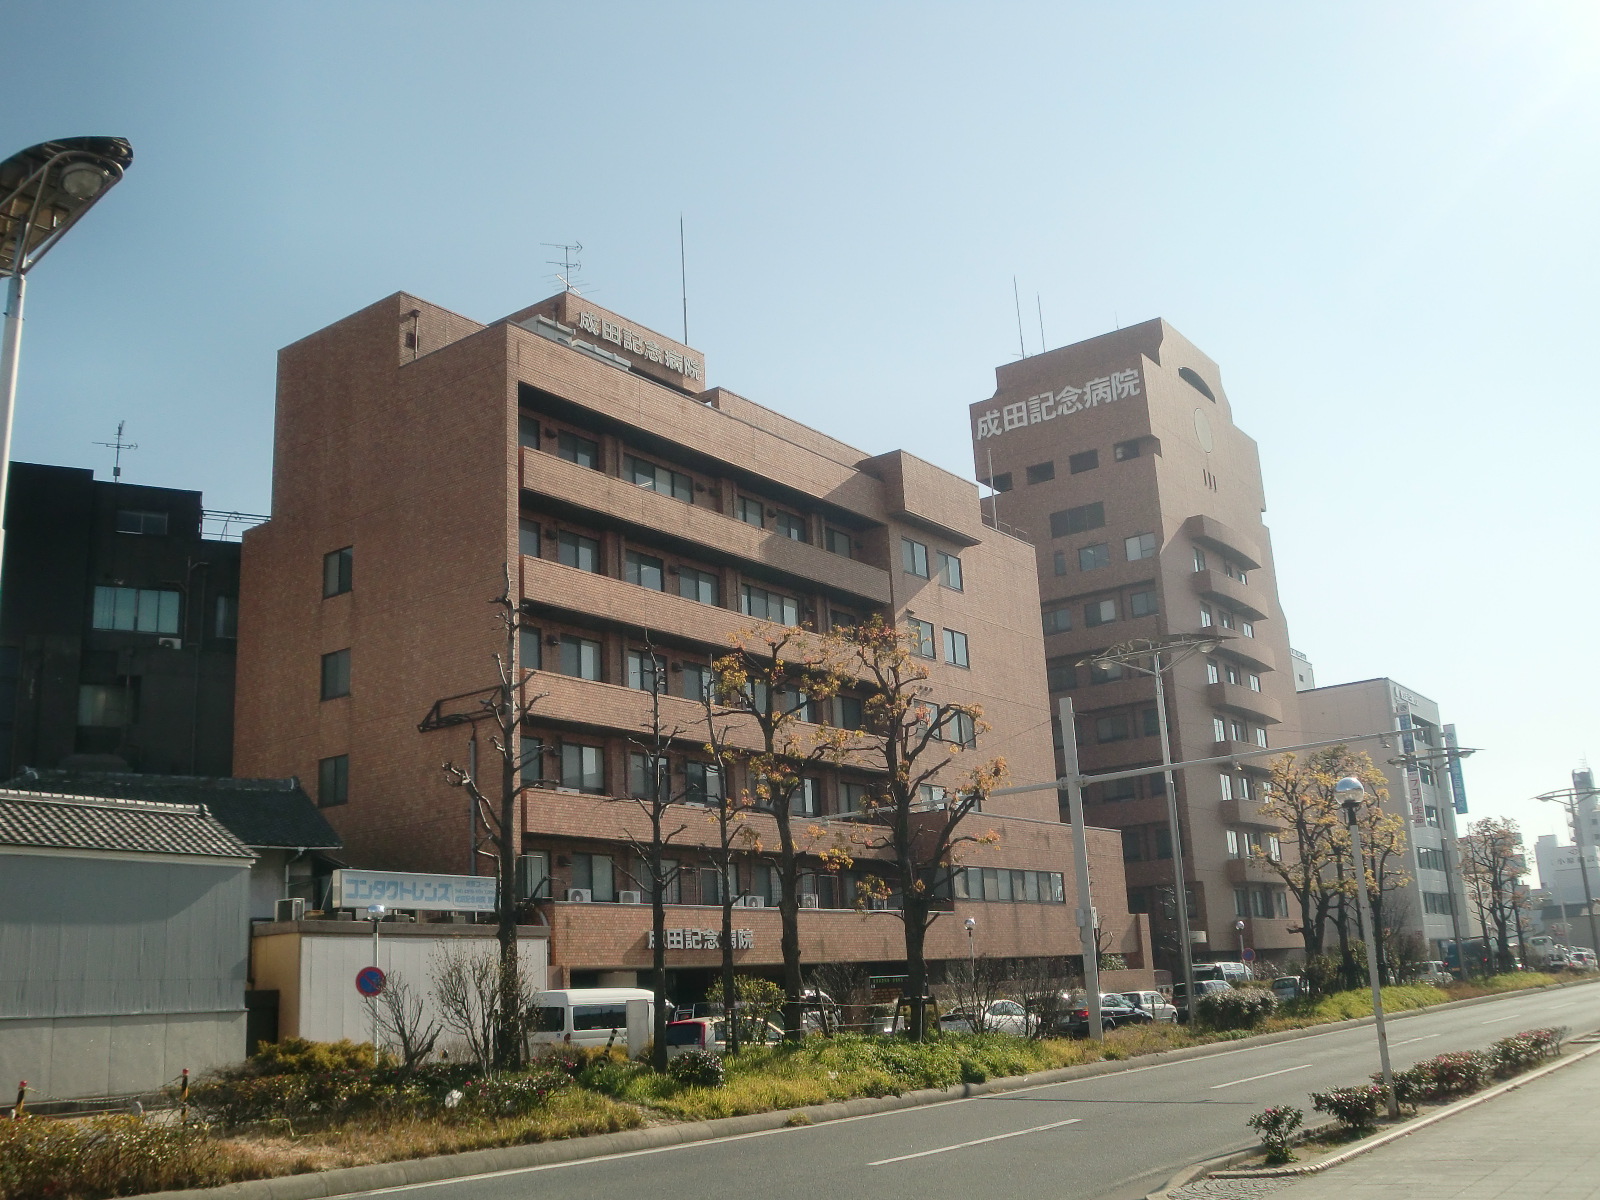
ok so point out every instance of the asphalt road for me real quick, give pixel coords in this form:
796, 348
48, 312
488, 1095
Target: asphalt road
1109, 1138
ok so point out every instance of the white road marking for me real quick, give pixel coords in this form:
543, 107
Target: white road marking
1497, 1020
1253, 1078
999, 1137
1423, 1038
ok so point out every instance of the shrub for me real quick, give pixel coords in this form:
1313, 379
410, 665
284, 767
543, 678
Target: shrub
1459, 1073
1356, 1108
610, 1077
297, 1056
1276, 1127
1236, 1008
1525, 1050
698, 1068
106, 1156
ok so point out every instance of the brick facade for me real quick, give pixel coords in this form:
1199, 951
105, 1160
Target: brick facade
450, 456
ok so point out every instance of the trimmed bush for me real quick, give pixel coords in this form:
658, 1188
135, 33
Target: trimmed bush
1236, 1008
1276, 1127
1523, 1051
297, 1056
1356, 1108
698, 1068
106, 1156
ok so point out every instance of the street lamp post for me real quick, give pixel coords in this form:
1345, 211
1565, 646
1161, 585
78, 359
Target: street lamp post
1570, 799
1350, 792
1164, 654
972, 950
375, 913
1238, 927
44, 190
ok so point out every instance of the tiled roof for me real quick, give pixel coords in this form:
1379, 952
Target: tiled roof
259, 812
44, 820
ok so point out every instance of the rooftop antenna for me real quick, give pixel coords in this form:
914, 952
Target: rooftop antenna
1022, 351
569, 265
683, 280
119, 446
1038, 303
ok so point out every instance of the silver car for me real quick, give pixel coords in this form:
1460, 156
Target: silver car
1000, 1016
1160, 1009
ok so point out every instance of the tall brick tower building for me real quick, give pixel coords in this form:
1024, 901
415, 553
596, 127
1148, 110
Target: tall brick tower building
1119, 459
421, 458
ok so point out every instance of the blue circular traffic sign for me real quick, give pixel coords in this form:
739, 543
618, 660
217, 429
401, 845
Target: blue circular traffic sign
370, 981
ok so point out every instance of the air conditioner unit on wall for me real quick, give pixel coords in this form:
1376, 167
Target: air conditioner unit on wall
289, 910
580, 896
628, 898
752, 902
170, 643
808, 902
878, 903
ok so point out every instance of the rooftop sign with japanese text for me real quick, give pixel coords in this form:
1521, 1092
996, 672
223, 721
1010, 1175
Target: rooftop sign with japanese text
1047, 406
422, 893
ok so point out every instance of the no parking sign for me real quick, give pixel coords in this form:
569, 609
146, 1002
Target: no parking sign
370, 981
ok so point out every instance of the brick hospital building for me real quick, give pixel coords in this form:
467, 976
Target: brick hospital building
1119, 459
421, 456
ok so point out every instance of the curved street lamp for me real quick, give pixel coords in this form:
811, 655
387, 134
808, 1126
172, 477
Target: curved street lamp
44, 191
1350, 792
1572, 800
1164, 654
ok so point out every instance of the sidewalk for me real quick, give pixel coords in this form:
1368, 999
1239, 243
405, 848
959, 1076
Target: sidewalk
1536, 1141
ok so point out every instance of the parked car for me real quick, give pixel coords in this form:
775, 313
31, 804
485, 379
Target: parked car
1158, 1006
1434, 971
1001, 1016
1288, 987
1580, 959
1228, 972
1202, 987
710, 1033
1114, 1011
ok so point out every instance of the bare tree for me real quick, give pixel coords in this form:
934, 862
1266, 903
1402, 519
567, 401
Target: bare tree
401, 1014
469, 988
729, 809
1492, 864
916, 820
650, 789
505, 705
775, 677
975, 983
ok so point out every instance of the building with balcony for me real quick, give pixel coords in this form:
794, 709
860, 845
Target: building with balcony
118, 626
1419, 792
1118, 458
642, 520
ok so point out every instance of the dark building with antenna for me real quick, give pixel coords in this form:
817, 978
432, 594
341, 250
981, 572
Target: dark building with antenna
118, 622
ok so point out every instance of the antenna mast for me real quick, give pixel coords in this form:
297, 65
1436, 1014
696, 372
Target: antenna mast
683, 280
1022, 351
119, 446
569, 265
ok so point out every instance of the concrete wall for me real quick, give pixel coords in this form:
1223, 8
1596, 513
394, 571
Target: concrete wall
117, 972
312, 965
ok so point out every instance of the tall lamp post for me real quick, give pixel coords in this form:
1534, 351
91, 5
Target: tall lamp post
972, 950
44, 190
1163, 655
1447, 759
375, 913
1570, 799
1351, 792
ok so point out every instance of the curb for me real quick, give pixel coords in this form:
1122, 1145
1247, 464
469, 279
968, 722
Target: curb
1218, 1167
342, 1181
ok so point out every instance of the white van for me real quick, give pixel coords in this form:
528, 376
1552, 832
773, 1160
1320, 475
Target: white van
1228, 972
588, 1016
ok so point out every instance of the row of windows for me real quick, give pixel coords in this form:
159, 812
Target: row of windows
1007, 886
1227, 618
1228, 567
1267, 902
154, 610
920, 635
1247, 843
1085, 460
1092, 558
1218, 672
1079, 519
1430, 858
915, 561
667, 481
1231, 729
1241, 787
1146, 843
1436, 903
687, 882
1135, 604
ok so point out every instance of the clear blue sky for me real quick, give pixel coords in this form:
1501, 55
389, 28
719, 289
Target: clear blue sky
1379, 218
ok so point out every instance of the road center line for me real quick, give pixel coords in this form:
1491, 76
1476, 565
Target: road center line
1497, 1020
1423, 1038
1253, 1078
999, 1137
